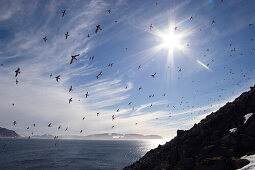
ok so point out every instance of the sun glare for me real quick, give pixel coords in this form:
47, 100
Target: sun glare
171, 41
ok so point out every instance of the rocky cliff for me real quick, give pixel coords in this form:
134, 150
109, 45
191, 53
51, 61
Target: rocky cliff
217, 142
7, 133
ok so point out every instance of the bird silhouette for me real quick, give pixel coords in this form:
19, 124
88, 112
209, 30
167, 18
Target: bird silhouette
66, 129
45, 38
66, 35
110, 65
17, 72
17, 81
113, 127
74, 58
57, 78
49, 125
140, 88
109, 11
70, 100
153, 75
34, 124
139, 67
87, 94
113, 117
98, 113
191, 18
117, 110
83, 118
88, 36
51, 75
14, 123
63, 13
98, 28
71, 88
81, 131
213, 22
59, 127
151, 26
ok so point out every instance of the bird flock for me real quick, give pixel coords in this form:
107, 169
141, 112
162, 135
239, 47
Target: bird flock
183, 103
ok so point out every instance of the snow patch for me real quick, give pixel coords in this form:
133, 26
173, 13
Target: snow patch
247, 116
233, 130
251, 165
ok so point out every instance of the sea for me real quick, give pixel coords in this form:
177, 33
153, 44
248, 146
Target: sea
36, 154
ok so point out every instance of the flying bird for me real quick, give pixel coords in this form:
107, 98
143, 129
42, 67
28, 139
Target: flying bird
153, 75
98, 113
81, 131
57, 78
151, 26
17, 72
88, 36
98, 28
51, 75
70, 100
83, 118
17, 81
139, 67
250, 25
87, 94
110, 65
14, 123
45, 38
71, 88
113, 117
59, 127
63, 13
91, 58
140, 88
34, 124
109, 11
113, 127
213, 22
66, 35
66, 129
49, 125
191, 18
74, 58
118, 110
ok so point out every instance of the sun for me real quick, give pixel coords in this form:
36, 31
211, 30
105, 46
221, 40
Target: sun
171, 40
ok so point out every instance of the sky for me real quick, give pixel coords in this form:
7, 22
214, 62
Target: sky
202, 52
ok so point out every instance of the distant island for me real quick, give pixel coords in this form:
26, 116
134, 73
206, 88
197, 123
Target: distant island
103, 136
6, 133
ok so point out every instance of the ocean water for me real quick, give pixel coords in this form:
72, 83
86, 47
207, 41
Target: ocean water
72, 154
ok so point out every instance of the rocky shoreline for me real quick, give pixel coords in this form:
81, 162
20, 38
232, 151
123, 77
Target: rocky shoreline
217, 142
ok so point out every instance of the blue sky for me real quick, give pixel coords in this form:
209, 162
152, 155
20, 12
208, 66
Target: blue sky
190, 94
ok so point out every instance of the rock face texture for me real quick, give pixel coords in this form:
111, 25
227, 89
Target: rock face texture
7, 133
209, 145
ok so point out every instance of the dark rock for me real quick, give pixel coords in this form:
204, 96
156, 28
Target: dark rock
7, 133
209, 144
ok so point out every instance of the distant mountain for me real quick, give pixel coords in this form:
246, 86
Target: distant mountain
8, 133
218, 142
103, 136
